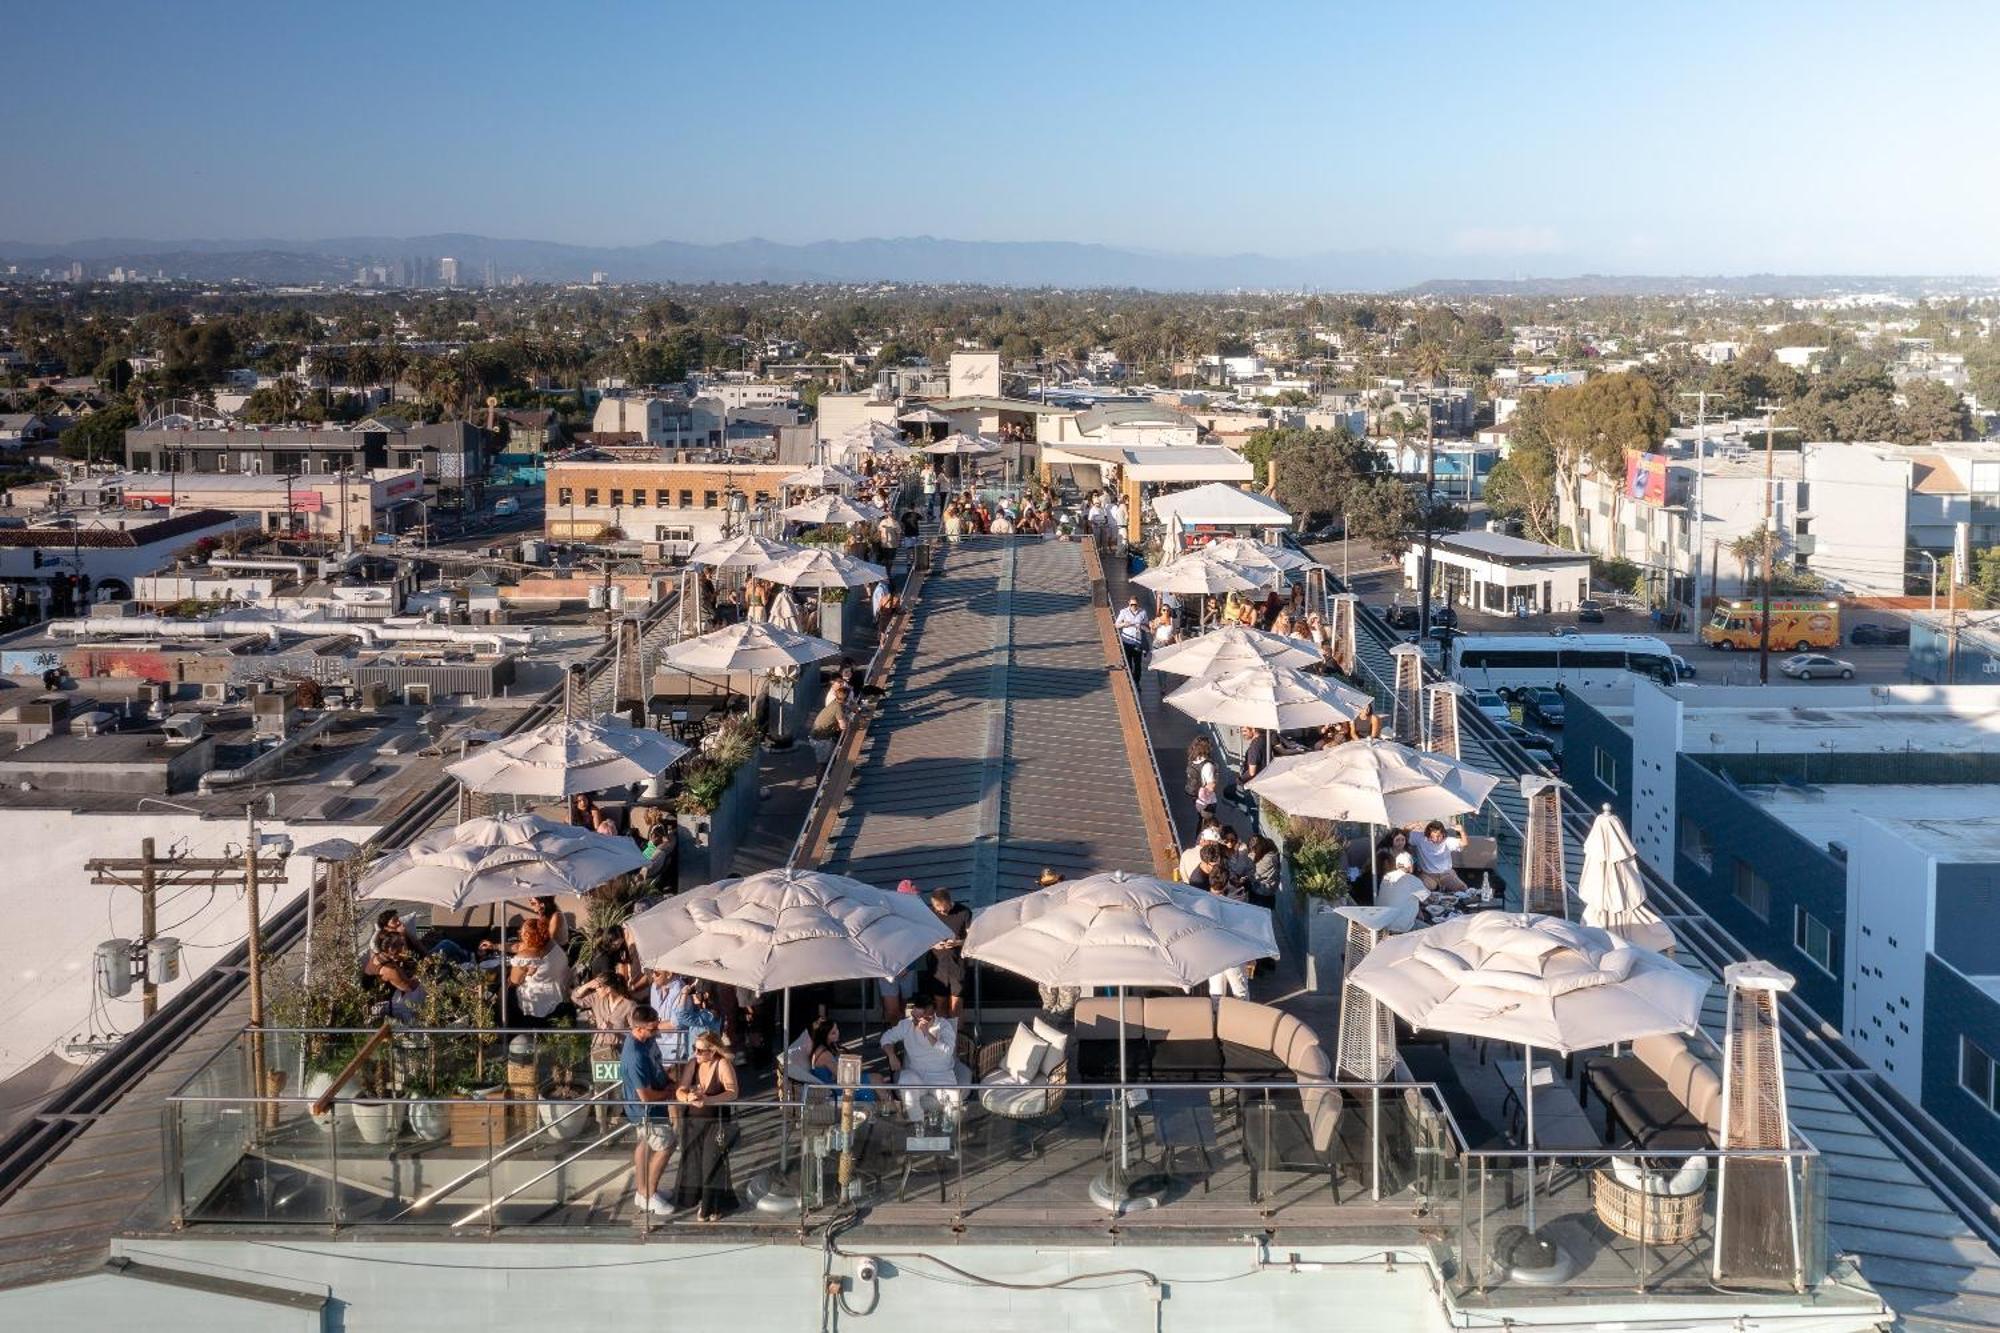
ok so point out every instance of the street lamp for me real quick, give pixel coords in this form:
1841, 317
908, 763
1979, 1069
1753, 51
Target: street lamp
1934, 577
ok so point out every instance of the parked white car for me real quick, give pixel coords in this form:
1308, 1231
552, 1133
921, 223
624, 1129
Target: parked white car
1490, 703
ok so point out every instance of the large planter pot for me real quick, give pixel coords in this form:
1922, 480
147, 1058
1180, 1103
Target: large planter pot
430, 1120
316, 1085
708, 842
375, 1122
480, 1121
564, 1114
1326, 945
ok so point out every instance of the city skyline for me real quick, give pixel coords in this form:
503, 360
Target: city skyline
1484, 144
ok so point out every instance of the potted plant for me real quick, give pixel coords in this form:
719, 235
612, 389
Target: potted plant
326, 1016
438, 1064
1317, 865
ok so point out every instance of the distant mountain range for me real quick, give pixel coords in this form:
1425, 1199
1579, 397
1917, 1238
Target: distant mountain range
918, 259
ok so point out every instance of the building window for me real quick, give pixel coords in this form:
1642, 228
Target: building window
1975, 1073
590, 495
638, 497
1605, 764
687, 499
1583, 590
563, 496
708, 499
763, 497
1753, 892
663, 497
1694, 844
142, 462
617, 496
1813, 939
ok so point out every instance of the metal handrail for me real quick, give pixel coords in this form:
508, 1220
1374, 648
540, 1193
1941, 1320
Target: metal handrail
479, 1169
491, 1204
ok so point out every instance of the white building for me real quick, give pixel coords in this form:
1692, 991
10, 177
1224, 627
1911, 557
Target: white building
654, 419
1490, 571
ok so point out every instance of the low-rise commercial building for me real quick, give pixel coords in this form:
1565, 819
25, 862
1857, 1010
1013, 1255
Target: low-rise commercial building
1845, 832
449, 454
1490, 571
653, 495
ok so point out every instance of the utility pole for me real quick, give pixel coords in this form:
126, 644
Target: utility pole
1700, 483
1769, 553
149, 922
150, 872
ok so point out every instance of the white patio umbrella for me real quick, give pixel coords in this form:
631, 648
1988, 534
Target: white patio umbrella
925, 416
816, 567
743, 551
822, 477
831, 509
1372, 782
1272, 697
497, 860
1191, 576
1231, 648
784, 928
1612, 889
749, 646
561, 758
1538, 982
1252, 554
962, 445
1120, 930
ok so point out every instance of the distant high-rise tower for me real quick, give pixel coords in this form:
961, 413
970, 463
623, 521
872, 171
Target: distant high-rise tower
448, 271
492, 274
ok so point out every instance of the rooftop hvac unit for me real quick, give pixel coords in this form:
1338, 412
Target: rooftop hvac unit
114, 968
183, 726
215, 691
417, 692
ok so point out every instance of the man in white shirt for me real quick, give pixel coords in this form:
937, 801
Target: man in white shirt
1131, 627
1434, 851
925, 1058
1402, 891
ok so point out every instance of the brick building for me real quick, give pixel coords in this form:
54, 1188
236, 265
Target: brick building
646, 494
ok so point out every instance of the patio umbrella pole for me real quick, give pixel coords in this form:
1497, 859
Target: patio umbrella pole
1528, 1111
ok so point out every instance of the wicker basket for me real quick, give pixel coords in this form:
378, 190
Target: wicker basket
1651, 1216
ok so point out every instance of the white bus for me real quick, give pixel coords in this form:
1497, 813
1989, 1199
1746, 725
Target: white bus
1512, 662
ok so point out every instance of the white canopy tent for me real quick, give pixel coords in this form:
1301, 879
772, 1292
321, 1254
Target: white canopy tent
1220, 510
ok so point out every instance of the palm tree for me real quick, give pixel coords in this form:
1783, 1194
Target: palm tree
1751, 548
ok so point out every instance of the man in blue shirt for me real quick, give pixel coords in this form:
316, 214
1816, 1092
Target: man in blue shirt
649, 1095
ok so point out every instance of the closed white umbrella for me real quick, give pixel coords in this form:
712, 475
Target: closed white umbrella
1612, 889
1372, 782
817, 567
749, 646
1120, 930
823, 477
785, 612
1191, 576
831, 509
561, 758
743, 551
1232, 648
1275, 698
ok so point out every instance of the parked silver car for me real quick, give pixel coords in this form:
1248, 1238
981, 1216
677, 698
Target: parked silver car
1816, 666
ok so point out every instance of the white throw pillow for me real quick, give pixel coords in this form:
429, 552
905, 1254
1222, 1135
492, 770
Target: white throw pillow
1049, 1032
1024, 1053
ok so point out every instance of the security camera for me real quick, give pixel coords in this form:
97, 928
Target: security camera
865, 1269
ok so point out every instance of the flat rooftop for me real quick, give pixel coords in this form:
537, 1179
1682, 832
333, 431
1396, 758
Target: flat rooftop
1958, 816
1840, 719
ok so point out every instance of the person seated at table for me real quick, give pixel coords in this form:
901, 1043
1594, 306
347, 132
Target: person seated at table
663, 854
392, 965
1209, 875
1210, 831
1283, 625
1236, 865
1368, 726
823, 1058
1402, 891
831, 720
553, 920
1264, 871
923, 1053
539, 976
1434, 852
1335, 733
390, 928
582, 811
1386, 852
